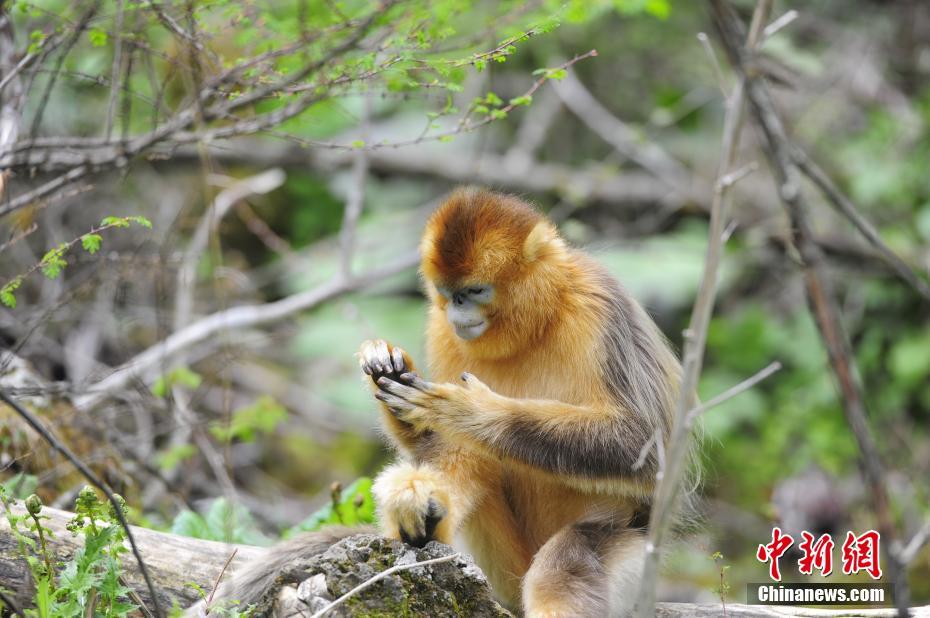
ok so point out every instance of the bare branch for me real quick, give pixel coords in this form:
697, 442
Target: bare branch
259, 184
843, 205
733, 391
625, 140
907, 554
779, 23
821, 296
355, 200
668, 486
144, 365
379, 577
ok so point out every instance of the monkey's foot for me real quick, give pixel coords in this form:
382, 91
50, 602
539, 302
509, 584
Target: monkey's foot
412, 505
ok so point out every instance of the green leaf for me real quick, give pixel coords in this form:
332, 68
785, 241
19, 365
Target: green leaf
356, 506
170, 459
115, 222
7, 296
20, 485
261, 417
224, 521
91, 242
139, 219
52, 262
98, 37
179, 376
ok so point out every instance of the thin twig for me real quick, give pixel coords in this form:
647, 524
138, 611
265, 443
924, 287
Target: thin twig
668, 487
714, 63
820, 294
115, 70
62, 448
843, 205
355, 200
624, 139
733, 391
259, 184
379, 577
144, 364
219, 577
909, 551
779, 23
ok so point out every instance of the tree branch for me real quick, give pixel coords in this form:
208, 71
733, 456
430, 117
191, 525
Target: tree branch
668, 487
820, 294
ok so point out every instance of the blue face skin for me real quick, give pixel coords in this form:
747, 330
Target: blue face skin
464, 310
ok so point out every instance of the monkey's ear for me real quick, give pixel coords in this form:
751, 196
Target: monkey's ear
541, 240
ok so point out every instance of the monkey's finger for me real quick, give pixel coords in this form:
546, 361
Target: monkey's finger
397, 355
399, 390
396, 404
367, 357
412, 379
381, 357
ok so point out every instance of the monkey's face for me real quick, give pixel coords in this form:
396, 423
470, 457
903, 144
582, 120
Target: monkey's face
467, 308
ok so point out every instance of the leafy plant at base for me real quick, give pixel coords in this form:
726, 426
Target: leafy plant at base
90, 583
723, 588
224, 521
351, 506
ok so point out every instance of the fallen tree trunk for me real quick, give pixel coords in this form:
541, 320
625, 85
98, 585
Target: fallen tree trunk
176, 561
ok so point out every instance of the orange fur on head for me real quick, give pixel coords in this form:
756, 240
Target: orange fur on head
481, 237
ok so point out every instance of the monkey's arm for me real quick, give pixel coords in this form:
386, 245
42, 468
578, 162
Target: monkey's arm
378, 358
592, 442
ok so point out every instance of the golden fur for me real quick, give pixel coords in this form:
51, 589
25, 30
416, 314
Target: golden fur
530, 454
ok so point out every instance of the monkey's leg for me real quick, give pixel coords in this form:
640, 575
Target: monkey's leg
378, 358
498, 543
588, 569
420, 502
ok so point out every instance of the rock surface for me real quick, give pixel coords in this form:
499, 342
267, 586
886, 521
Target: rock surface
454, 588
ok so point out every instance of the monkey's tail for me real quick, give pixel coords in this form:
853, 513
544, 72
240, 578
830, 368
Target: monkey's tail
250, 583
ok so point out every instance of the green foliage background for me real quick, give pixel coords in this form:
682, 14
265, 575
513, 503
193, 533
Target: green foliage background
651, 72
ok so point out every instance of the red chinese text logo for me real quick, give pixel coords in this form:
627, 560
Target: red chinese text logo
860, 553
817, 555
773, 551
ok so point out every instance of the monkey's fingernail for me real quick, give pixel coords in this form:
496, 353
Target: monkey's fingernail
366, 369
465, 376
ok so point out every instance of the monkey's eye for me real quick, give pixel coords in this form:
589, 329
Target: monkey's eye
480, 293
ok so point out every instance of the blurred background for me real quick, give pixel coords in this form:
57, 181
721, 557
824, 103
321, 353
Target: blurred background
167, 165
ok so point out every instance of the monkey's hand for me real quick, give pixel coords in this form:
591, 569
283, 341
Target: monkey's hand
427, 405
412, 504
378, 359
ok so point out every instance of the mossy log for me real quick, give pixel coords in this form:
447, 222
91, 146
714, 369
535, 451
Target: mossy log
451, 588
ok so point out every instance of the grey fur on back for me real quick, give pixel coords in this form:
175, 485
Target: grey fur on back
251, 583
